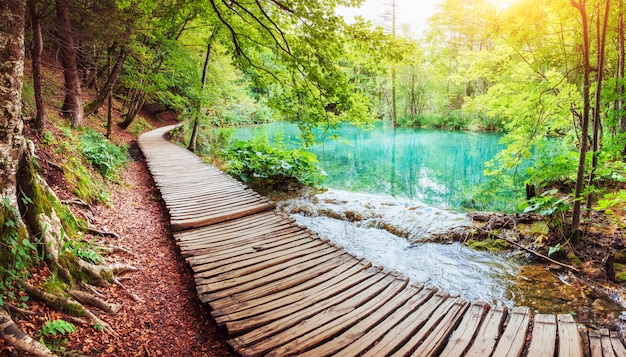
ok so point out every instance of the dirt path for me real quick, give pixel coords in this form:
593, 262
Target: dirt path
167, 319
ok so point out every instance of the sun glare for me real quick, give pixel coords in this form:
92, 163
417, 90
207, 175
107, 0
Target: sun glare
502, 4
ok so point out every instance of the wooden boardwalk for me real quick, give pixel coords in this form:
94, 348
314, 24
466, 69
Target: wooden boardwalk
277, 289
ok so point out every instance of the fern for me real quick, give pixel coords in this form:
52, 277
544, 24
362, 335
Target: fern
57, 328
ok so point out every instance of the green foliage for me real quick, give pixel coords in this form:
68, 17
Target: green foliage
53, 335
17, 252
56, 328
489, 244
105, 156
214, 143
139, 125
546, 204
264, 165
85, 251
612, 199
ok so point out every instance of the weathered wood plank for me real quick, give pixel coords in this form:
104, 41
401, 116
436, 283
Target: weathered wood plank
333, 326
396, 334
607, 346
543, 341
231, 278
182, 224
275, 321
489, 333
290, 281
618, 346
570, 344
252, 248
272, 257
270, 303
296, 312
354, 337
595, 343
320, 320
430, 338
466, 331
512, 340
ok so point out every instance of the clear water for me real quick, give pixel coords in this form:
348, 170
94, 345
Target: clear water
440, 168
394, 190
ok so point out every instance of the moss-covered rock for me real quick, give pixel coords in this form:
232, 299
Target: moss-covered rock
489, 244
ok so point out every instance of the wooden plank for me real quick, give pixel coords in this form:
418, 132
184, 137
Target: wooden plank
431, 337
234, 277
543, 341
595, 343
252, 248
332, 327
296, 312
570, 344
396, 334
489, 332
466, 331
182, 224
618, 346
312, 302
319, 320
607, 346
225, 231
269, 303
256, 241
290, 281
512, 340
401, 304
260, 260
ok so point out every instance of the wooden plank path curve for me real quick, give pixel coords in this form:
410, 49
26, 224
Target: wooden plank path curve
277, 289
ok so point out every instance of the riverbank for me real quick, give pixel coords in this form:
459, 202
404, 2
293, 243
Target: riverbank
405, 235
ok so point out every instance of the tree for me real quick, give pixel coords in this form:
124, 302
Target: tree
36, 52
12, 146
73, 102
584, 118
595, 147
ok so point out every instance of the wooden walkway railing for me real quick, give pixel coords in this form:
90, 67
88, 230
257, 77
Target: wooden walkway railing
278, 289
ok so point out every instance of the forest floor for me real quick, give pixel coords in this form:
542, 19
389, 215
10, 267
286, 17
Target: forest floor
160, 313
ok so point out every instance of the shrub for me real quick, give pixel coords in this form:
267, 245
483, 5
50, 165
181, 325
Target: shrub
263, 165
103, 155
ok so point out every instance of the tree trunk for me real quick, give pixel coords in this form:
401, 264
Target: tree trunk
620, 72
598, 102
92, 107
36, 51
196, 123
580, 176
12, 144
73, 103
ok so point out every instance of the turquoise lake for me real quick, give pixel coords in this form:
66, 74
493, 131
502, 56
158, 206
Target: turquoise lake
441, 168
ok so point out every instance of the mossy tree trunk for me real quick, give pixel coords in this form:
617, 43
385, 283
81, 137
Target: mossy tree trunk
12, 145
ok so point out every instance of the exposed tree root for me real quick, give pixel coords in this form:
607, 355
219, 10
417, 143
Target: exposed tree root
115, 249
11, 333
89, 299
67, 305
18, 310
97, 232
77, 202
104, 272
134, 297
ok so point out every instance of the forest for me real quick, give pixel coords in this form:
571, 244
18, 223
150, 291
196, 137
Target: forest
79, 73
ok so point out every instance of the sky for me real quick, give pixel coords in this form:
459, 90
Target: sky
415, 13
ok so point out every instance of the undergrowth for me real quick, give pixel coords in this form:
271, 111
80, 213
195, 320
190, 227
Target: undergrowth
266, 165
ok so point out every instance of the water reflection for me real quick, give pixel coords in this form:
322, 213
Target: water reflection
437, 167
